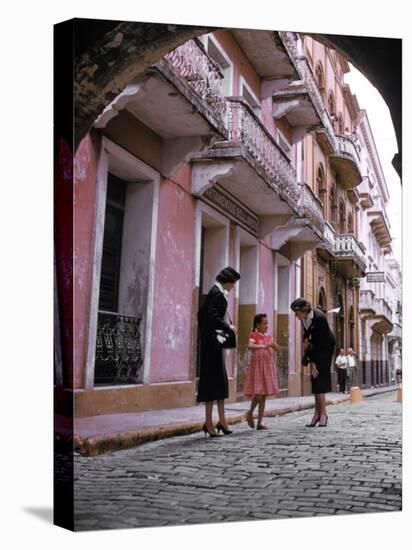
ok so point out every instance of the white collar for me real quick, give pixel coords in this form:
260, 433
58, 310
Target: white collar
308, 321
222, 290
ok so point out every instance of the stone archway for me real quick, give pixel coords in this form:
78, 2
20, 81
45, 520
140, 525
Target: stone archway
135, 46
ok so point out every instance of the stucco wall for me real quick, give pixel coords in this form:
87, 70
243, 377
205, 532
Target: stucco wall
172, 307
85, 172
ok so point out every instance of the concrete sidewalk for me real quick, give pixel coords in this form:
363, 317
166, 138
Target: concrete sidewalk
98, 434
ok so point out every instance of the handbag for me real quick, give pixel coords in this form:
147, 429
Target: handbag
227, 339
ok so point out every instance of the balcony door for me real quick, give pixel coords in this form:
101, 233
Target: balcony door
213, 253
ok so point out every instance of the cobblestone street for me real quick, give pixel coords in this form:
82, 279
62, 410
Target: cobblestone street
352, 466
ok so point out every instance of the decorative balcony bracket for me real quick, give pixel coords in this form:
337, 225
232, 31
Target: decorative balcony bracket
131, 92
206, 173
269, 87
177, 150
282, 108
299, 132
281, 235
267, 224
296, 249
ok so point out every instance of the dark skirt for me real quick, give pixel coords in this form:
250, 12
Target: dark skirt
323, 383
213, 383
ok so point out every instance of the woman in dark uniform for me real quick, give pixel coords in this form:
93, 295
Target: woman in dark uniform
319, 346
213, 383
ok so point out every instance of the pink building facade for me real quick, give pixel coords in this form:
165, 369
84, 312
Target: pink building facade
198, 163
185, 172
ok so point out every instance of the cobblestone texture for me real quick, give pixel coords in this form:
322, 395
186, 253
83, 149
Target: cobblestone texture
352, 466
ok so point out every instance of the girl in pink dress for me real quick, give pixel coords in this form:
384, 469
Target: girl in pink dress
261, 377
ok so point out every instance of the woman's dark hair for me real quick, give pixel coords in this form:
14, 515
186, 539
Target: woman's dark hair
258, 319
301, 304
227, 275
307, 308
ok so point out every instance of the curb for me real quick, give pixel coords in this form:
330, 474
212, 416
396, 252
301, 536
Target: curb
93, 446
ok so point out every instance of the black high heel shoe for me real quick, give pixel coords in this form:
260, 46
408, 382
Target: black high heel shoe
324, 424
313, 424
223, 429
213, 434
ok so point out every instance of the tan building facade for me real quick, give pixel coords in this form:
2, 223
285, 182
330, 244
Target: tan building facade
332, 168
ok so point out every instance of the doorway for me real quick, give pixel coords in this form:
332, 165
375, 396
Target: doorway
213, 258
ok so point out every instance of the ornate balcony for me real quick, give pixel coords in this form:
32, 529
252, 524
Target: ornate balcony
301, 104
366, 304
325, 132
251, 167
311, 208
365, 192
119, 356
345, 160
193, 65
304, 233
272, 55
396, 332
376, 311
349, 256
179, 98
379, 224
382, 320
246, 130
327, 248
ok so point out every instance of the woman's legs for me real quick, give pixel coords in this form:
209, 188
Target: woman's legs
253, 404
261, 410
208, 412
316, 414
249, 414
322, 408
221, 412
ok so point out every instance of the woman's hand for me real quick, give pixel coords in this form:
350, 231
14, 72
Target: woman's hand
313, 370
233, 328
306, 344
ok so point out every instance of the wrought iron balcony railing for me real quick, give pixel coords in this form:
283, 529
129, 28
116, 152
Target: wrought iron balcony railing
247, 130
119, 356
311, 206
200, 72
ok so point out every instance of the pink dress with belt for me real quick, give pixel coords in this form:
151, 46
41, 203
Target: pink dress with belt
261, 376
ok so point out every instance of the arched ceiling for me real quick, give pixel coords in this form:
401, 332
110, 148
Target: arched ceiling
109, 54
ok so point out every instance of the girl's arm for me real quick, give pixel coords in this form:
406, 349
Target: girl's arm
274, 346
252, 345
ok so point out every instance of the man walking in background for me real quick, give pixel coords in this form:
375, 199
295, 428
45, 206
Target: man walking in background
340, 364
